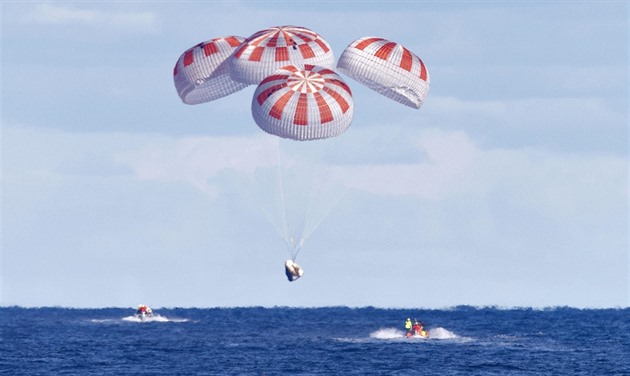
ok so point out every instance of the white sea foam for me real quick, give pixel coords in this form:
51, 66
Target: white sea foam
387, 333
153, 318
100, 321
393, 333
441, 333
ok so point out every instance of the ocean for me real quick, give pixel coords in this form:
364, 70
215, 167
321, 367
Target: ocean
314, 341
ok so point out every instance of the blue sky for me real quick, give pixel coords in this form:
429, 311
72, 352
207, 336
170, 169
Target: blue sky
509, 187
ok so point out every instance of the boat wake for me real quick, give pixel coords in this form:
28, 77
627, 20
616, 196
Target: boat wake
441, 333
134, 318
152, 318
394, 334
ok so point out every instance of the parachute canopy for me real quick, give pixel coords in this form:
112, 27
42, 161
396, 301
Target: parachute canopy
299, 95
268, 50
306, 103
388, 68
201, 73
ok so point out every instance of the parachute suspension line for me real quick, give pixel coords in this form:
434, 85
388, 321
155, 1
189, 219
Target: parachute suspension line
296, 248
301, 190
324, 194
306, 230
311, 217
264, 188
281, 196
290, 249
269, 193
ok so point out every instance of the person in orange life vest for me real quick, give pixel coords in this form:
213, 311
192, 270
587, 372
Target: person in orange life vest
141, 309
417, 328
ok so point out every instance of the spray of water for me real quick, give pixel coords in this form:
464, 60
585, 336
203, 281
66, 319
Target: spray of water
152, 318
393, 333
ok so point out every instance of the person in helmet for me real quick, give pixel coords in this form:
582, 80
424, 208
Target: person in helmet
408, 326
141, 309
417, 328
292, 270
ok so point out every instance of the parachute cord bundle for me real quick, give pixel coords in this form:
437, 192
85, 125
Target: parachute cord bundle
293, 248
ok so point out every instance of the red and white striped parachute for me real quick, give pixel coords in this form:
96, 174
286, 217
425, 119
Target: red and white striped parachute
306, 103
299, 96
388, 68
201, 73
271, 49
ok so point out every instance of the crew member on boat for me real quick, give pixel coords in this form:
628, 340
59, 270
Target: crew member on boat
408, 325
418, 329
143, 309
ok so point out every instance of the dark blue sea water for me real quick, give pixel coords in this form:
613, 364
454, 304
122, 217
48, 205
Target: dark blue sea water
314, 341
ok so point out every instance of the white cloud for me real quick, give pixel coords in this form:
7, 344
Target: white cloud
450, 169
555, 184
51, 14
530, 113
48, 14
196, 160
471, 203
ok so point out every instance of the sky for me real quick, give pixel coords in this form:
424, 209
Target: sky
508, 187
